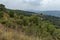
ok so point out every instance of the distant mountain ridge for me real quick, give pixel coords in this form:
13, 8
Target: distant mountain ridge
52, 13
48, 12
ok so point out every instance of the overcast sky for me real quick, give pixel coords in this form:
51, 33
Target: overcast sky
32, 4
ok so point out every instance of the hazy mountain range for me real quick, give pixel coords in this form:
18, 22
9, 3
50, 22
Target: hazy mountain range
52, 13
48, 12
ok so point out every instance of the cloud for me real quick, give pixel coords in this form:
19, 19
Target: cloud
51, 5
32, 4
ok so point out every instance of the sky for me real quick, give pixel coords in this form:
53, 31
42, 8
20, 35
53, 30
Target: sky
39, 5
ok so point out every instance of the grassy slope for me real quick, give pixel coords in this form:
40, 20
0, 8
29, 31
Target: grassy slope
11, 34
14, 34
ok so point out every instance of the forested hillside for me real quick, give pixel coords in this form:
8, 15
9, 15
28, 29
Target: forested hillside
24, 25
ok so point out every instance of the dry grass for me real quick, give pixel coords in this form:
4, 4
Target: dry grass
10, 34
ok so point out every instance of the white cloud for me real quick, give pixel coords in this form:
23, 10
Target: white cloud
30, 0
32, 4
52, 5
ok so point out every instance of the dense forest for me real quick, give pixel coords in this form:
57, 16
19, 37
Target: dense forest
24, 25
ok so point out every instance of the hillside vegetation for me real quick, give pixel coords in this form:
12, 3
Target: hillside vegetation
23, 25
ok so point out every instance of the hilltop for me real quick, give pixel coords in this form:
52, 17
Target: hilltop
24, 25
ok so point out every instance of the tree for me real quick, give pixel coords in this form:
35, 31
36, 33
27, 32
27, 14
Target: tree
1, 14
11, 13
2, 7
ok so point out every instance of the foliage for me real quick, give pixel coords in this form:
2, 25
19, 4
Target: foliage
37, 25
